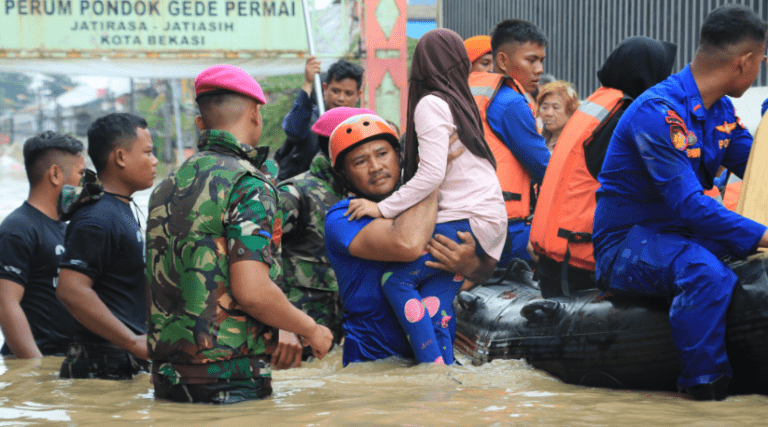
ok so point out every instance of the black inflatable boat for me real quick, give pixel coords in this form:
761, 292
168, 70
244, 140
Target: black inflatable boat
593, 339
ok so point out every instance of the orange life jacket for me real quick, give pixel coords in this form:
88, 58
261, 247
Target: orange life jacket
731, 196
565, 209
514, 179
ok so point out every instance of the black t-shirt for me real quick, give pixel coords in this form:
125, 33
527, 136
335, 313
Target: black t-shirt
105, 243
31, 246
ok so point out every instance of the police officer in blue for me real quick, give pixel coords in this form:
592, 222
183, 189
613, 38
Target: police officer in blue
655, 232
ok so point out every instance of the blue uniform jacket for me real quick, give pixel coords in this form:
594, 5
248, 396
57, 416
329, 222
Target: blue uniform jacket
512, 120
296, 123
664, 152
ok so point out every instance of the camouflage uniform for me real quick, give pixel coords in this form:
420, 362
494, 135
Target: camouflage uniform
216, 209
309, 282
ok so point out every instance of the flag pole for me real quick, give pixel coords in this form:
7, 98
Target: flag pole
311, 43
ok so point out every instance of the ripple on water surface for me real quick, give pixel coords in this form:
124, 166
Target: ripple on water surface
390, 392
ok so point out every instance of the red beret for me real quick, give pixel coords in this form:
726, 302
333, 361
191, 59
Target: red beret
227, 78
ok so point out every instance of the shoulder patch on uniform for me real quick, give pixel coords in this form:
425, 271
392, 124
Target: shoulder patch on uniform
692, 139
726, 127
277, 231
678, 132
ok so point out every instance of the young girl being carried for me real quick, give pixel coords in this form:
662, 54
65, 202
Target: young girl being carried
469, 196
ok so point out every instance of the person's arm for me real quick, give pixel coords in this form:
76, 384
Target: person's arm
289, 348
402, 239
512, 121
764, 240
296, 122
289, 199
255, 292
434, 127
75, 291
679, 186
310, 70
359, 208
738, 149
253, 234
460, 258
16, 253
13, 321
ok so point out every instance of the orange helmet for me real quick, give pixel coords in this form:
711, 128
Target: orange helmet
357, 130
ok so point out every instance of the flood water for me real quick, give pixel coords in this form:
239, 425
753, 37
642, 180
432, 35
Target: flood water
321, 393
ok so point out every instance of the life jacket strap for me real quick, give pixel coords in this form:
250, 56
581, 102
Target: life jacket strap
571, 237
511, 197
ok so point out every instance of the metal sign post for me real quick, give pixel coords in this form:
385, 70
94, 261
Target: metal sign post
311, 43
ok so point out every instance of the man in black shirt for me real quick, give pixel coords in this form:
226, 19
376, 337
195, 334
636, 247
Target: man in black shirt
102, 279
34, 323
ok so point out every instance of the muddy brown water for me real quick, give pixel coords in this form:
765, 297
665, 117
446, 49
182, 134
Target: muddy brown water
390, 392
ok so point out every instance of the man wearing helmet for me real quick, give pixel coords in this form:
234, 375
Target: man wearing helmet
308, 279
365, 153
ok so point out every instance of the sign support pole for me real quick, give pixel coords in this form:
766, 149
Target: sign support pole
311, 44
176, 97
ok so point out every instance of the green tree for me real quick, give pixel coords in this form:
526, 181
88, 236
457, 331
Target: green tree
15, 91
58, 84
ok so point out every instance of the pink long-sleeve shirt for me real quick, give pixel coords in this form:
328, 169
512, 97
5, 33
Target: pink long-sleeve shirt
468, 187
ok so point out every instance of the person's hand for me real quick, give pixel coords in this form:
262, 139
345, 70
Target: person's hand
320, 340
452, 155
312, 68
532, 252
467, 285
451, 256
359, 208
288, 353
139, 347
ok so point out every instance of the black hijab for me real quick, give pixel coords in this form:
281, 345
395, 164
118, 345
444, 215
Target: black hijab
637, 64
440, 67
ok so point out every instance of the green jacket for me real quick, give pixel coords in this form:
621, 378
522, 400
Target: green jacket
304, 201
217, 208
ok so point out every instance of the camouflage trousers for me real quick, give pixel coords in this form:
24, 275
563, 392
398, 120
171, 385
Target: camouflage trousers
321, 305
103, 361
220, 392
219, 383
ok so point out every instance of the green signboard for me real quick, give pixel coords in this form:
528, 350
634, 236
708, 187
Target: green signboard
148, 27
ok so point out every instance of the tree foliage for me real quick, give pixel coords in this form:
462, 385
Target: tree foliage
15, 91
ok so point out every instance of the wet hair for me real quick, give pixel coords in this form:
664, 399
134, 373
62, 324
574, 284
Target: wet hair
564, 89
343, 69
220, 110
44, 149
109, 131
731, 24
516, 31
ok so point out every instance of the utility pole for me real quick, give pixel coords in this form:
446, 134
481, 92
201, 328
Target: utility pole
132, 103
176, 99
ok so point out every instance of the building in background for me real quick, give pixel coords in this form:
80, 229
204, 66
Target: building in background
583, 32
422, 17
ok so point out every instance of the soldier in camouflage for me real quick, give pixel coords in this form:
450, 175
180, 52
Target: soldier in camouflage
213, 258
309, 282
